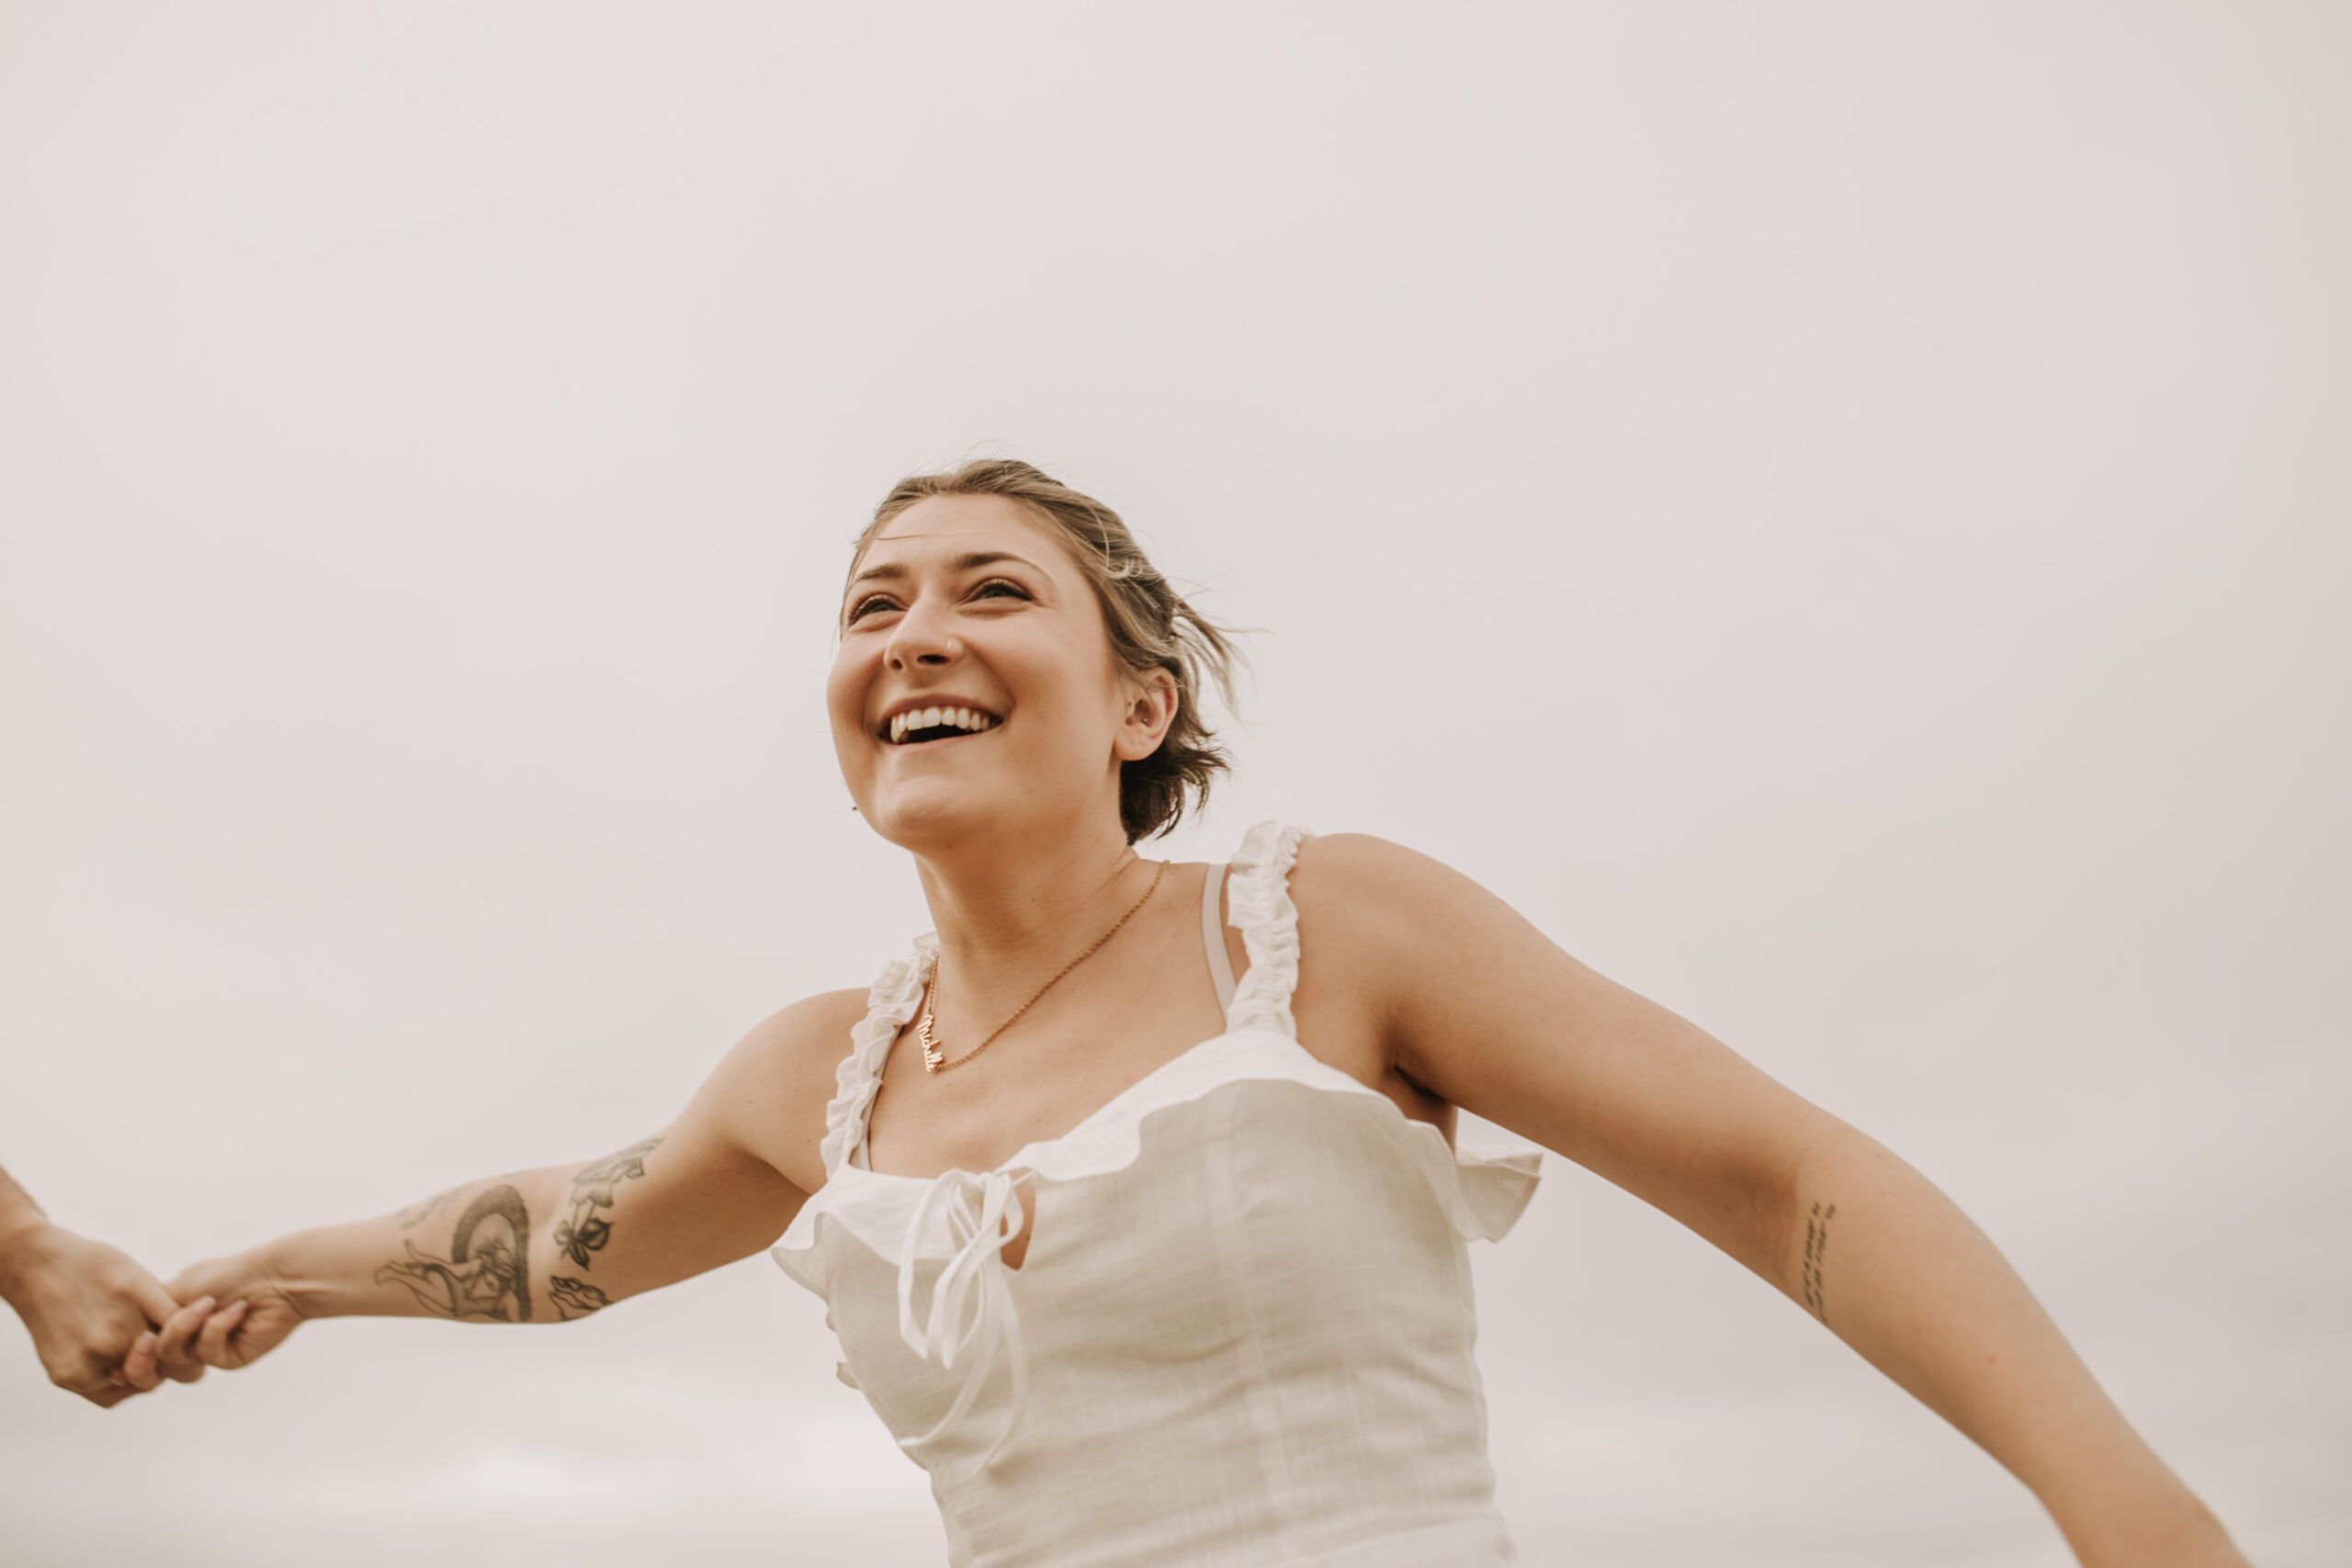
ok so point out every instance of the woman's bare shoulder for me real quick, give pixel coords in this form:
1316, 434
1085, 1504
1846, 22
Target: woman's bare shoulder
1362, 856
770, 1091
1359, 887
1406, 936
1369, 913
810, 1030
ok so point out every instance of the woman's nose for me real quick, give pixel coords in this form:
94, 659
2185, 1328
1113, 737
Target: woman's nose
922, 637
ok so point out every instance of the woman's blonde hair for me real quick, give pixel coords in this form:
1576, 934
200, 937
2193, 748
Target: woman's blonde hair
1150, 626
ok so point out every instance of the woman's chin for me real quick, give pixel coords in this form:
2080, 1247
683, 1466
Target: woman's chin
922, 812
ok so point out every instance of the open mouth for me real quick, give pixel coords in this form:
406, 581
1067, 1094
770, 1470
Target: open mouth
916, 726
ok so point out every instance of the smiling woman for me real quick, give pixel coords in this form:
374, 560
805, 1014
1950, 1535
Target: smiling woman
1178, 1272
1146, 624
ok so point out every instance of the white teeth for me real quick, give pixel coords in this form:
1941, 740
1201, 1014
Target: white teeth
969, 720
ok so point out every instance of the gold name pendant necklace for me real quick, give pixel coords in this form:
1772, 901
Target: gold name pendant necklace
934, 1050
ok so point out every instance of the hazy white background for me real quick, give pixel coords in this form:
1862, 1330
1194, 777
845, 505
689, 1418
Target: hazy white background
1839, 511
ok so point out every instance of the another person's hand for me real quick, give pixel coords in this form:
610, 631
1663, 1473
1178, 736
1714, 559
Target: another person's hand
87, 1306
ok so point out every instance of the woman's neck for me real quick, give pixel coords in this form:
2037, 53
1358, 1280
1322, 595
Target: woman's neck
1004, 907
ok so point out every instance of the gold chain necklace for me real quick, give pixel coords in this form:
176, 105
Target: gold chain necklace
934, 1050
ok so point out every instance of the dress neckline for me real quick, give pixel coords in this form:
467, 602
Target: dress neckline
1086, 1123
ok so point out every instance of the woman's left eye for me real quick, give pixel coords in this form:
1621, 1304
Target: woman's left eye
996, 585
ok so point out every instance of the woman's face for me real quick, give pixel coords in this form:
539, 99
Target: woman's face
975, 690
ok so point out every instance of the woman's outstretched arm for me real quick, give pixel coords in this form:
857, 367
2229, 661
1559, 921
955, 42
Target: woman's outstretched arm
1480, 1008
548, 1246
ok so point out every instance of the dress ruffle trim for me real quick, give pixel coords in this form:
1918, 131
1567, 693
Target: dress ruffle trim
1262, 911
896, 996
1482, 1193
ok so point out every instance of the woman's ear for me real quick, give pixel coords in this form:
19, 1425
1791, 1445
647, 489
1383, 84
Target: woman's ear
1151, 708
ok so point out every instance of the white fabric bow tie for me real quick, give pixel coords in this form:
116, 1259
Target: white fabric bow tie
972, 1317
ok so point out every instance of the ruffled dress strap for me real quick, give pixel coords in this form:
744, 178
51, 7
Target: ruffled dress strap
889, 1007
1485, 1193
1259, 906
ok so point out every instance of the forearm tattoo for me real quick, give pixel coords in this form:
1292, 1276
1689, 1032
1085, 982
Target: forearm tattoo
484, 1275
1817, 1251
584, 1232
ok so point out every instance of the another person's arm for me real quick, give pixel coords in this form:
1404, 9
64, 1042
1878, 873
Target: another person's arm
561, 1243
1480, 1008
85, 1303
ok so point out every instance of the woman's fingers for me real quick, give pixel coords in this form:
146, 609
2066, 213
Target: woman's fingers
139, 1368
193, 1337
153, 1299
212, 1344
175, 1355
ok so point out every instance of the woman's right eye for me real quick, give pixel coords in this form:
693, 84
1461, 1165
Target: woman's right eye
868, 604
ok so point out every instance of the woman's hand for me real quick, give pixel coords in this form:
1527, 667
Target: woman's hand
237, 1312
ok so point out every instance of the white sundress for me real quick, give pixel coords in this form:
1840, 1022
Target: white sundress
1242, 1333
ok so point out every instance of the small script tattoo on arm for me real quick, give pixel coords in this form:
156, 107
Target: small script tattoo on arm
1816, 1249
584, 1232
483, 1277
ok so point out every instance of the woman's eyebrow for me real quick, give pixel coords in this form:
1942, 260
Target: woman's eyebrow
893, 570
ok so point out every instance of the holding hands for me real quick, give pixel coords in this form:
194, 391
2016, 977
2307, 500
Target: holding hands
529, 1245
105, 1328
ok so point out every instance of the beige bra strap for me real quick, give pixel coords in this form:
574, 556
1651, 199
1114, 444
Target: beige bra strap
1212, 938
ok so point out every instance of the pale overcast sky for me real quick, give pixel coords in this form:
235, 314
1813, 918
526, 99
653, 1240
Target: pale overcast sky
1839, 511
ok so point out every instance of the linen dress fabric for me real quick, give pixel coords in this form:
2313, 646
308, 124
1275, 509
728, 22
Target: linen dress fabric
1241, 1336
